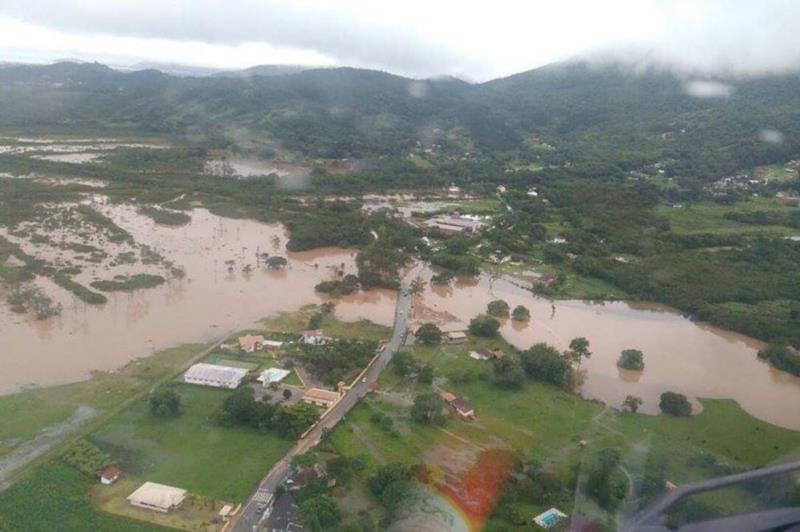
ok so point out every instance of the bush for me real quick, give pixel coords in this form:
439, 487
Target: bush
675, 404
483, 325
631, 359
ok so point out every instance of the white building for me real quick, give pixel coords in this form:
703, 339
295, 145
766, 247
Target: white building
158, 497
213, 375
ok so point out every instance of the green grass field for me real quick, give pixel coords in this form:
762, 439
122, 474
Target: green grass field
27, 413
709, 218
191, 451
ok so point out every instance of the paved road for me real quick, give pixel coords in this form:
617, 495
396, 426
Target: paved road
250, 517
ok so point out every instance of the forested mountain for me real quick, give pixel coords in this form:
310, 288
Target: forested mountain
600, 120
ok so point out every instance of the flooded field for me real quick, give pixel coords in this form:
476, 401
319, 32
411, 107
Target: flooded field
680, 355
225, 287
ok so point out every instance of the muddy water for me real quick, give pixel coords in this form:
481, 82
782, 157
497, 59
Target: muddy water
208, 302
680, 355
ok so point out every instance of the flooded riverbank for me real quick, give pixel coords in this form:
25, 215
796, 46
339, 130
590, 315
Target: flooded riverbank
224, 288
680, 355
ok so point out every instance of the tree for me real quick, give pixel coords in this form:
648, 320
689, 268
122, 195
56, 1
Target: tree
545, 363
403, 363
631, 359
579, 349
287, 394
507, 373
315, 321
675, 404
390, 485
427, 409
320, 513
483, 325
239, 408
165, 403
521, 313
429, 334
497, 308
632, 403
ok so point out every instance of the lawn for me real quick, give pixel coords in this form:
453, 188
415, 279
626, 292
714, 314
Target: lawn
191, 451
56, 497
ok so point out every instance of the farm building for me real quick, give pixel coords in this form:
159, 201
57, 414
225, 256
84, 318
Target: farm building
109, 475
320, 397
158, 497
213, 375
271, 375
251, 343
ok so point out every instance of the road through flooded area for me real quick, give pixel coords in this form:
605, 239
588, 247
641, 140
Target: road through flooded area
680, 355
226, 287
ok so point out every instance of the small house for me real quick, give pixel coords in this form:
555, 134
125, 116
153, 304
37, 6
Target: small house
321, 397
456, 337
271, 344
459, 406
158, 497
313, 337
109, 475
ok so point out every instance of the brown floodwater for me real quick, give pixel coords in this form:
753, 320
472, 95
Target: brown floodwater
211, 300
680, 355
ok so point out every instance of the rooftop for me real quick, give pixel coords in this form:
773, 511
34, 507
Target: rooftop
157, 495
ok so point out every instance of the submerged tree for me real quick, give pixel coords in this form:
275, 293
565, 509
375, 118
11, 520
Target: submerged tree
631, 359
631, 403
483, 325
521, 313
497, 308
675, 404
579, 349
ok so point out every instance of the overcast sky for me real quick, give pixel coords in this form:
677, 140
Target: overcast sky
474, 40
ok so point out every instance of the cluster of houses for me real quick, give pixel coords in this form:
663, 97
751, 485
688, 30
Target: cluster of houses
487, 354
284, 515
